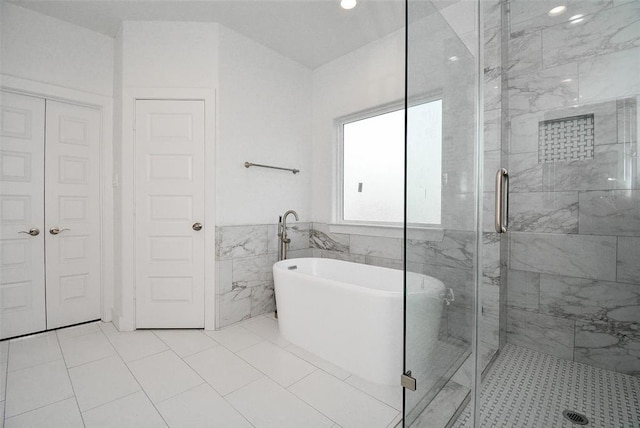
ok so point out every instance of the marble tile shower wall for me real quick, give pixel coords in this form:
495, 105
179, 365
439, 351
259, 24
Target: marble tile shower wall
574, 267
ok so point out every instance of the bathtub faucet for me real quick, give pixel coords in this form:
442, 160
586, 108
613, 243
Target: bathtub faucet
282, 234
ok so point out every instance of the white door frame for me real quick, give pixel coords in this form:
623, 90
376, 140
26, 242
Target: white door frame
105, 105
125, 317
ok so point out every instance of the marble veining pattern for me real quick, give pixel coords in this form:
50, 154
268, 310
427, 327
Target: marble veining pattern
390, 248
244, 264
610, 345
582, 256
586, 299
574, 244
607, 117
456, 250
524, 290
262, 299
322, 239
608, 31
298, 232
525, 173
548, 212
628, 256
245, 282
525, 52
224, 276
614, 212
492, 129
605, 172
610, 76
543, 89
234, 306
627, 114
551, 335
240, 241
253, 271
491, 259
531, 16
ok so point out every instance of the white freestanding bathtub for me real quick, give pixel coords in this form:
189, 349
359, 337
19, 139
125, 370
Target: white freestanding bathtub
351, 314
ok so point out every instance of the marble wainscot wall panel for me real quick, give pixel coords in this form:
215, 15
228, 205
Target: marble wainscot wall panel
574, 261
244, 259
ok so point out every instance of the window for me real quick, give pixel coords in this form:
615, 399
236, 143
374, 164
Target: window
372, 173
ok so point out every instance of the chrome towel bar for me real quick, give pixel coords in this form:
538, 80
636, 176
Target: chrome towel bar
249, 164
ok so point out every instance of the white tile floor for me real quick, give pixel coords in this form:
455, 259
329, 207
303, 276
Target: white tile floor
246, 375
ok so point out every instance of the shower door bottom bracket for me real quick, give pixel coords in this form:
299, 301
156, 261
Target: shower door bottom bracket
406, 381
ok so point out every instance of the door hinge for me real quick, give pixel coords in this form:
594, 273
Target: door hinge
407, 381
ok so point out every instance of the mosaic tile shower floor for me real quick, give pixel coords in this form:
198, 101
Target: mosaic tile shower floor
526, 388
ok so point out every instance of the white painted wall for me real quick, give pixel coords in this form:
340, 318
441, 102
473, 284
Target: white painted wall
368, 77
264, 116
118, 301
44, 49
164, 60
170, 54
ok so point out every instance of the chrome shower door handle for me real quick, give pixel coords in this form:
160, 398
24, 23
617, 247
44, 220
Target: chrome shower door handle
55, 230
34, 231
502, 200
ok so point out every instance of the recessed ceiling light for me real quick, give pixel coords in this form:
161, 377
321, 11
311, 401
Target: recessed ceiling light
574, 17
348, 4
453, 58
567, 80
556, 11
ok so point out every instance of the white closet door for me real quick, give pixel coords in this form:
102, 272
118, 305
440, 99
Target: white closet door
169, 202
22, 287
72, 198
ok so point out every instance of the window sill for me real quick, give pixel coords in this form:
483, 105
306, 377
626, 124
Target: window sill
414, 233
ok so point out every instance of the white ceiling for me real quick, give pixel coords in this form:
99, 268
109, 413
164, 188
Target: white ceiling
311, 32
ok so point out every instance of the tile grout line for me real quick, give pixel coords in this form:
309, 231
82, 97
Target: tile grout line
147, 395
75, 397
242, 349
306, 402
277, 383
224, 397
41, 407
135, 359
6, 385
138, 382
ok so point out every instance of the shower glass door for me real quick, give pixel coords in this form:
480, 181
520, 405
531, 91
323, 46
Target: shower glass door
442, 202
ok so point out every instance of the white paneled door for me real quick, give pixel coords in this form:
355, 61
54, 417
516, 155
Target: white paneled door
22, 287
170, 229
72, 203
50, 214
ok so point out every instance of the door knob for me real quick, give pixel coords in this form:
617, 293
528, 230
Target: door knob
197, 226
33, 231
55, 230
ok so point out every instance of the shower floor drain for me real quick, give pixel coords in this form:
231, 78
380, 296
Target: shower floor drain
575, 417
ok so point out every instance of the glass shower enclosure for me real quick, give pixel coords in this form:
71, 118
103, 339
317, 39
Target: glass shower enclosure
539, 321
442, 65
